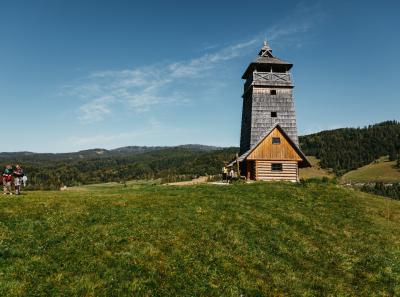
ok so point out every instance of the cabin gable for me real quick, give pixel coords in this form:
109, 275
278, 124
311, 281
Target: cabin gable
274, 147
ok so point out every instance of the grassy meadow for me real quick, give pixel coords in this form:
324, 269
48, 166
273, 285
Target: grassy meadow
382, 170
260, 239
315, 171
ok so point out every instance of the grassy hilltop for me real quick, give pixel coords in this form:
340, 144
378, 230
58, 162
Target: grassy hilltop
381, 170
242, 240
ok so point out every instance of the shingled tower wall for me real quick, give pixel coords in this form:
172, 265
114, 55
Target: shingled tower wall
267, 99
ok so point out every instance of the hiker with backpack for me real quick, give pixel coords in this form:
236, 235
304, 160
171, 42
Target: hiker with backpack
7, 180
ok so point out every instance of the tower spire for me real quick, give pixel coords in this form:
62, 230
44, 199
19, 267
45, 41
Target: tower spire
265, 51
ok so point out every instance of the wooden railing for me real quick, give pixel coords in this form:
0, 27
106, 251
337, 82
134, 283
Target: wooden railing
272, 76
265, 78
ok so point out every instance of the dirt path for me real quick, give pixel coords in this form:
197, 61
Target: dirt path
196, 181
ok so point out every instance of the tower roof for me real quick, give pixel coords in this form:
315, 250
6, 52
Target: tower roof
264, 60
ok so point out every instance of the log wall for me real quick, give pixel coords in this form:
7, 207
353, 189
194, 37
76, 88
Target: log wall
289, 171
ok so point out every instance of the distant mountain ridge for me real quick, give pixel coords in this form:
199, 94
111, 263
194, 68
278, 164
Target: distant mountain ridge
97, 152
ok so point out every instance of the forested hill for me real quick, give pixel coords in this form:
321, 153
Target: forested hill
350, 148
341, 149
50, 171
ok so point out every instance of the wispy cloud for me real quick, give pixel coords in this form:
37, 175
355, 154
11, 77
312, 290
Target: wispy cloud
144, 87
103, 139
289, 31
96, 109
141, 88
150, 130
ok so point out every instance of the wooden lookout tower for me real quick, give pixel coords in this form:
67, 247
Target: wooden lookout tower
269, 145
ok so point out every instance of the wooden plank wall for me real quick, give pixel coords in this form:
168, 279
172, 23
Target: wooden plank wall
268, 151
289, 171
263, 103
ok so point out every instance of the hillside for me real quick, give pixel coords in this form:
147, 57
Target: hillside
244, 240
51, 171
347, 149
315, 171
381, 170
334, 152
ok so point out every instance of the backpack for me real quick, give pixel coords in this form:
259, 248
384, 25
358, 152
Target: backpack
7, 177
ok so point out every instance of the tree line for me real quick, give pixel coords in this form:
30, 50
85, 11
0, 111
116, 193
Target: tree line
350, 148
391, 190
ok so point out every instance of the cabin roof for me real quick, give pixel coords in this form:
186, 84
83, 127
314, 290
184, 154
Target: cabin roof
303, 163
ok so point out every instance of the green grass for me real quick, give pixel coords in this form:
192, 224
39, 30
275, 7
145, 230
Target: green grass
243, 240
379, 171
315, 171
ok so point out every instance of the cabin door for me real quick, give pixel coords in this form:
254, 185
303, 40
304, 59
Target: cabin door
251, 170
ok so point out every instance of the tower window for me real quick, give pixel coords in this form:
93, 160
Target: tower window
276, 140
272, 92
274, 114
276, 166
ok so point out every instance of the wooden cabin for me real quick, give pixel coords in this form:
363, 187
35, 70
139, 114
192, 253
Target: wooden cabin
274, 157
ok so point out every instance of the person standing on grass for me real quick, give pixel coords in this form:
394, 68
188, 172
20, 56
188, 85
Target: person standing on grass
24, 180
7, 180
224, 174
230, 175
18, 175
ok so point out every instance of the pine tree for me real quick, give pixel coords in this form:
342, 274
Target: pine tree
393, 156
398, 160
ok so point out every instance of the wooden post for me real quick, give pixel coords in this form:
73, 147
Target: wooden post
237, 165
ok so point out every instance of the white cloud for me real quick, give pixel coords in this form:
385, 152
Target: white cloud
144, 87
96, 109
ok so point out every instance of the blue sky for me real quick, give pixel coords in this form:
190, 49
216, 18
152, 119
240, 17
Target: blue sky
83, 74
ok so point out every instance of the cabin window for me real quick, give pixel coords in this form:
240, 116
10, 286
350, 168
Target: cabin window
272, 92
274, 114
276, 140
276, 166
